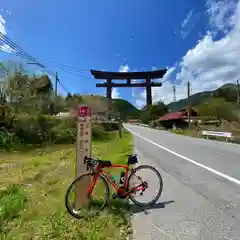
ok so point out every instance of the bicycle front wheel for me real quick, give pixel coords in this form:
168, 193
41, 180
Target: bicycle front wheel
77, 201
150, 178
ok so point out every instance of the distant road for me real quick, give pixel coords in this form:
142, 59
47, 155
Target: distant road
201, 196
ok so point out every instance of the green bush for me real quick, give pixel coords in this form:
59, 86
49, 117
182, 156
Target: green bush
178, 131
99, 134
12, 202
63, 131
6, 139
32, 129
35, 130
108, 126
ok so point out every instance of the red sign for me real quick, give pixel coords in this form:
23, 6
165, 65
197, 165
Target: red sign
84, 111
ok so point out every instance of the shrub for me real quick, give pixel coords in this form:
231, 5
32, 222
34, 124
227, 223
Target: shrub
178, 131
99, 134
43, 129
63, 130
6, 139
12, 202
108, 126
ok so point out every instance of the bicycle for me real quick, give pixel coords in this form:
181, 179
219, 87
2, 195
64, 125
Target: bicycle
97, 174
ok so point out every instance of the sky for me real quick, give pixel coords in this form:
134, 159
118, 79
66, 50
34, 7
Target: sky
197, 41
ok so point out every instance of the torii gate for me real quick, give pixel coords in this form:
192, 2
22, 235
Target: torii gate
129, 76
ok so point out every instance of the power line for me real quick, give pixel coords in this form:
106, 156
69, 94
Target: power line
33, 60
36, 60
57, 80
23, 53
63, 65
65, 89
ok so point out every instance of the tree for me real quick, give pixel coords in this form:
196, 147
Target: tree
227, 92
217, 108
159, 109
153, 112
74, 100
27, 94
98, 104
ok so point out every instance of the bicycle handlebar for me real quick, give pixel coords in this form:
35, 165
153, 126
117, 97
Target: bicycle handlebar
91, 162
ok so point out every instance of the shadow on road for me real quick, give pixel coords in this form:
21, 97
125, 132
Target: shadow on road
137, 209
120, 207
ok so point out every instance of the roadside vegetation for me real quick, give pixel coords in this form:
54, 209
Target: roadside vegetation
37, 161
216, 111
33, 185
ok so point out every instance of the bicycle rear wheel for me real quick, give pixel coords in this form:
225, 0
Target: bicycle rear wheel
94, 204
135, 179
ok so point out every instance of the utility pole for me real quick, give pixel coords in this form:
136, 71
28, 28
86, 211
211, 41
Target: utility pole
189, 105
56, 83
238, 93
55, 93
174, 93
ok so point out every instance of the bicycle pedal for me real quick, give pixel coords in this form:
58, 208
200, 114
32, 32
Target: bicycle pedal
114, 196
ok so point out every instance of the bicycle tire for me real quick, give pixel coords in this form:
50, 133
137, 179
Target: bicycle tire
70, 210
159, 191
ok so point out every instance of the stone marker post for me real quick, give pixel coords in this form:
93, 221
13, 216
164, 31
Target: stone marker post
84, 148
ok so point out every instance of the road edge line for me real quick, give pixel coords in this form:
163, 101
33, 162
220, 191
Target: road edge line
229, 178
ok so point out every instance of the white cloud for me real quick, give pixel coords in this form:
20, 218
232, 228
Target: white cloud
221, 14
6, 11
188, 23
115, 93
168, 74
211, 63
164, 93
124, 68
2, 25
3, 46
185, 29
141, 102
186, 20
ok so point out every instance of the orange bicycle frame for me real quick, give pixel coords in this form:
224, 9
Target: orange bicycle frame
100, 171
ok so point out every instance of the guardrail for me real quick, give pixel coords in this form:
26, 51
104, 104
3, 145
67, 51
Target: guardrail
226, 135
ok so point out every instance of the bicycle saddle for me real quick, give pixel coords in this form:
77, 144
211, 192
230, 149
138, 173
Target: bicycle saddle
105, 163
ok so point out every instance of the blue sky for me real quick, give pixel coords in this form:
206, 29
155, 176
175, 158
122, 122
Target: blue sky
195, 40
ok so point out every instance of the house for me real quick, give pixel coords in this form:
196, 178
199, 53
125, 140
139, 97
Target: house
133, 121
177, 119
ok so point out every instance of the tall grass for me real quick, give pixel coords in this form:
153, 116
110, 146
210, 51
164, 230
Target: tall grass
12, 202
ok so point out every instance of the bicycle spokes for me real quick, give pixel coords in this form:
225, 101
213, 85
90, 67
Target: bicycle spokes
145, 185
94, 200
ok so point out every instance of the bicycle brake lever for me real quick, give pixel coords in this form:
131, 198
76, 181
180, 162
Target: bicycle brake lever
85, 159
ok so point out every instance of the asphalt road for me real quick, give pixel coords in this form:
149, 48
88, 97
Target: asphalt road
201, 195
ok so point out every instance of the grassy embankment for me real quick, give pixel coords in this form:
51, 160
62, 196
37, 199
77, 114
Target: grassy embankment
33, 186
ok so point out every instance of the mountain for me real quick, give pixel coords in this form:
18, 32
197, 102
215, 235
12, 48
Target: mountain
125, 108
119, 107
228, 92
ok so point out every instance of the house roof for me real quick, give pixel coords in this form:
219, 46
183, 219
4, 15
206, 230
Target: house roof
173, 116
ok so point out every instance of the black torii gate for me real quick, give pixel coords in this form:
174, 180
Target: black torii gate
129, 76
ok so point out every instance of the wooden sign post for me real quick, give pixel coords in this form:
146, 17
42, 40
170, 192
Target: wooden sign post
84, 148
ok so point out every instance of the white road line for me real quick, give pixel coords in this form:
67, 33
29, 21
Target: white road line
229, 178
